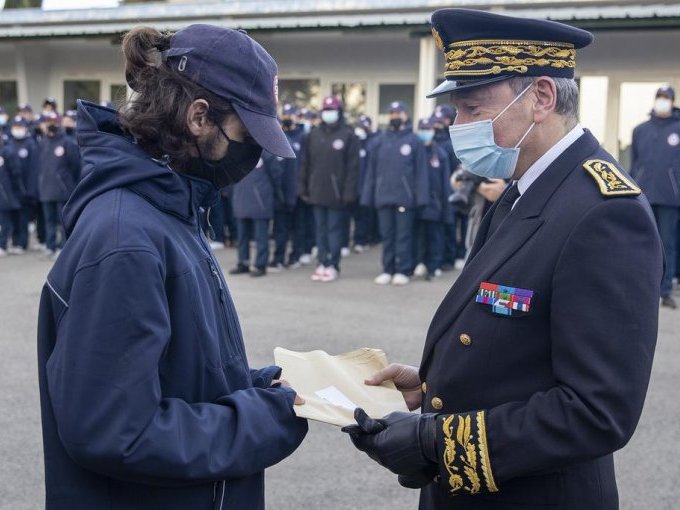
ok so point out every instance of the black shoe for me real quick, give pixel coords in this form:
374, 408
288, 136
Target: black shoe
258, 271
240, 269
669, 302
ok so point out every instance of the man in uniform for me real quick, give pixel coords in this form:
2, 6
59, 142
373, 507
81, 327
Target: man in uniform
536, 364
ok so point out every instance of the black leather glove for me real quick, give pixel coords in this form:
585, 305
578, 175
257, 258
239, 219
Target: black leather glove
404, 443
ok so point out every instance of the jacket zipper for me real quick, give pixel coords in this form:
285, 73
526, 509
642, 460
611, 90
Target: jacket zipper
61, 181
221, 500
259, 198
408, 188
674, 184
336, 189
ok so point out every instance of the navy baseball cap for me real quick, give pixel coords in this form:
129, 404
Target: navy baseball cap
230, 64
667, 91
365, 121
19, 121
481, 48
426, 124
289, 109
397, 107
25, 107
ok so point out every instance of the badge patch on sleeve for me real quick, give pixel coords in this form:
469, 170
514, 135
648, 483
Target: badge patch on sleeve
502, 300
610, 179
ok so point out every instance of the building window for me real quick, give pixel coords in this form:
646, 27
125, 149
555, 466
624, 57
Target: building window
81, 89
23, 4
389, 93
118, 94
353, 96
8, 96
301, 93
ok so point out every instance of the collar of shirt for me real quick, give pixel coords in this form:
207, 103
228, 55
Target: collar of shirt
535, 170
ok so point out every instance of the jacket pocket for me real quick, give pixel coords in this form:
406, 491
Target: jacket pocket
674, 182
409, 193
336, 188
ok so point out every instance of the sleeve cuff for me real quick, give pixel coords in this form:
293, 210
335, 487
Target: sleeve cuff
464, 463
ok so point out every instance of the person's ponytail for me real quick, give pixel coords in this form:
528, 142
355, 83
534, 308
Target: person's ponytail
142, 47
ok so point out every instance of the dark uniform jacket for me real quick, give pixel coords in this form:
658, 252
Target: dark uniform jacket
438, 207
11, 185
26, 150
253, 197
536, 402
330, 166
59, 168
397, 172
655, 163
146, 396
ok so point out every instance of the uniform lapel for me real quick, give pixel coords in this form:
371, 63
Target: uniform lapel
487, 256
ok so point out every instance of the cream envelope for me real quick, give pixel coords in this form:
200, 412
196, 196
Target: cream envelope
333, 386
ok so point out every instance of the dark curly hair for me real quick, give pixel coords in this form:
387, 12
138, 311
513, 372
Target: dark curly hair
155, 114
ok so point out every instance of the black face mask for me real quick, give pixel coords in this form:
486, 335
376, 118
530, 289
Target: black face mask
52, 130
396, 124
287, 123
70, 130
238, 162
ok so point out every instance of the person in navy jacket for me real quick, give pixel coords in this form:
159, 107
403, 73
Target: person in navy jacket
432, 218
655, 164
397, 184
147, 398
285, 173
58, 161
537, 362
24, 146
365, 218
11, 194
253, 201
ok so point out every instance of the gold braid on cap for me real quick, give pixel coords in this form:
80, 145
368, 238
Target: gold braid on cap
488, 57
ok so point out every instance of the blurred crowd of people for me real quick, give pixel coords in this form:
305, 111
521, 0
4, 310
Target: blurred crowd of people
351, 187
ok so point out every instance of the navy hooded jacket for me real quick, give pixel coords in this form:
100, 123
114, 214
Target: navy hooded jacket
284, 180
438, 208
656, 159
11, 186
59, 167
397, 172
146, 395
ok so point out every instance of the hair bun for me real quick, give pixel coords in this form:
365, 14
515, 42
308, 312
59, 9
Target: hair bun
142, 47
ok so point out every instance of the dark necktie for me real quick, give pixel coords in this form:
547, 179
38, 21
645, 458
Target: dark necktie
503, 209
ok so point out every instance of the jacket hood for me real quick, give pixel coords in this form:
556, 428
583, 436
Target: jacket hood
112, 159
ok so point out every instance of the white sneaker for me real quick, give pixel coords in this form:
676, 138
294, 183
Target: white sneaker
400, 279
15, 250
330, 275
318, 274
437, 273
275, 267
305, 259
215, 246
3, 253
315, 252
359, 248
459, 264
344, 252
295, 265
420, 270
383, 279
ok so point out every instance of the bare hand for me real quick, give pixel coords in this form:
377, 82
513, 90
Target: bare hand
492, 190
405, 378
282, 382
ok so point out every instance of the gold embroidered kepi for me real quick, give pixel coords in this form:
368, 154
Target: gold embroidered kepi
481, 48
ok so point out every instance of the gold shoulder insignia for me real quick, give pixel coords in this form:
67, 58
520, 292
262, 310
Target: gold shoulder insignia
610, 179
437, 39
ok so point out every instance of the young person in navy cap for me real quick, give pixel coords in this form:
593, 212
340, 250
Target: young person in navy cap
58, 162
397, 184
432, 218
287, 175
22, 144
365, 218
655, 164
328, 179
537, 362
147, 397
11, 194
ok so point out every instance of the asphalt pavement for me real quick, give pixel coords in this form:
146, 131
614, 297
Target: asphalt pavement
289, 310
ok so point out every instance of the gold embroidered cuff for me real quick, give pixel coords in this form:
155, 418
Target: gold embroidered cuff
465, 466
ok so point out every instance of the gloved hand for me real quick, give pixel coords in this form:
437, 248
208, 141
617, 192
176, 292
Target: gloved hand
404, 443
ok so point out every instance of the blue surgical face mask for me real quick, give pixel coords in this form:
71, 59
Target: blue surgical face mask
426, 135
477, 150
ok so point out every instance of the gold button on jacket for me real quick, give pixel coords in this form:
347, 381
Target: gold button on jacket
437, 403
465, 339
424, 387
